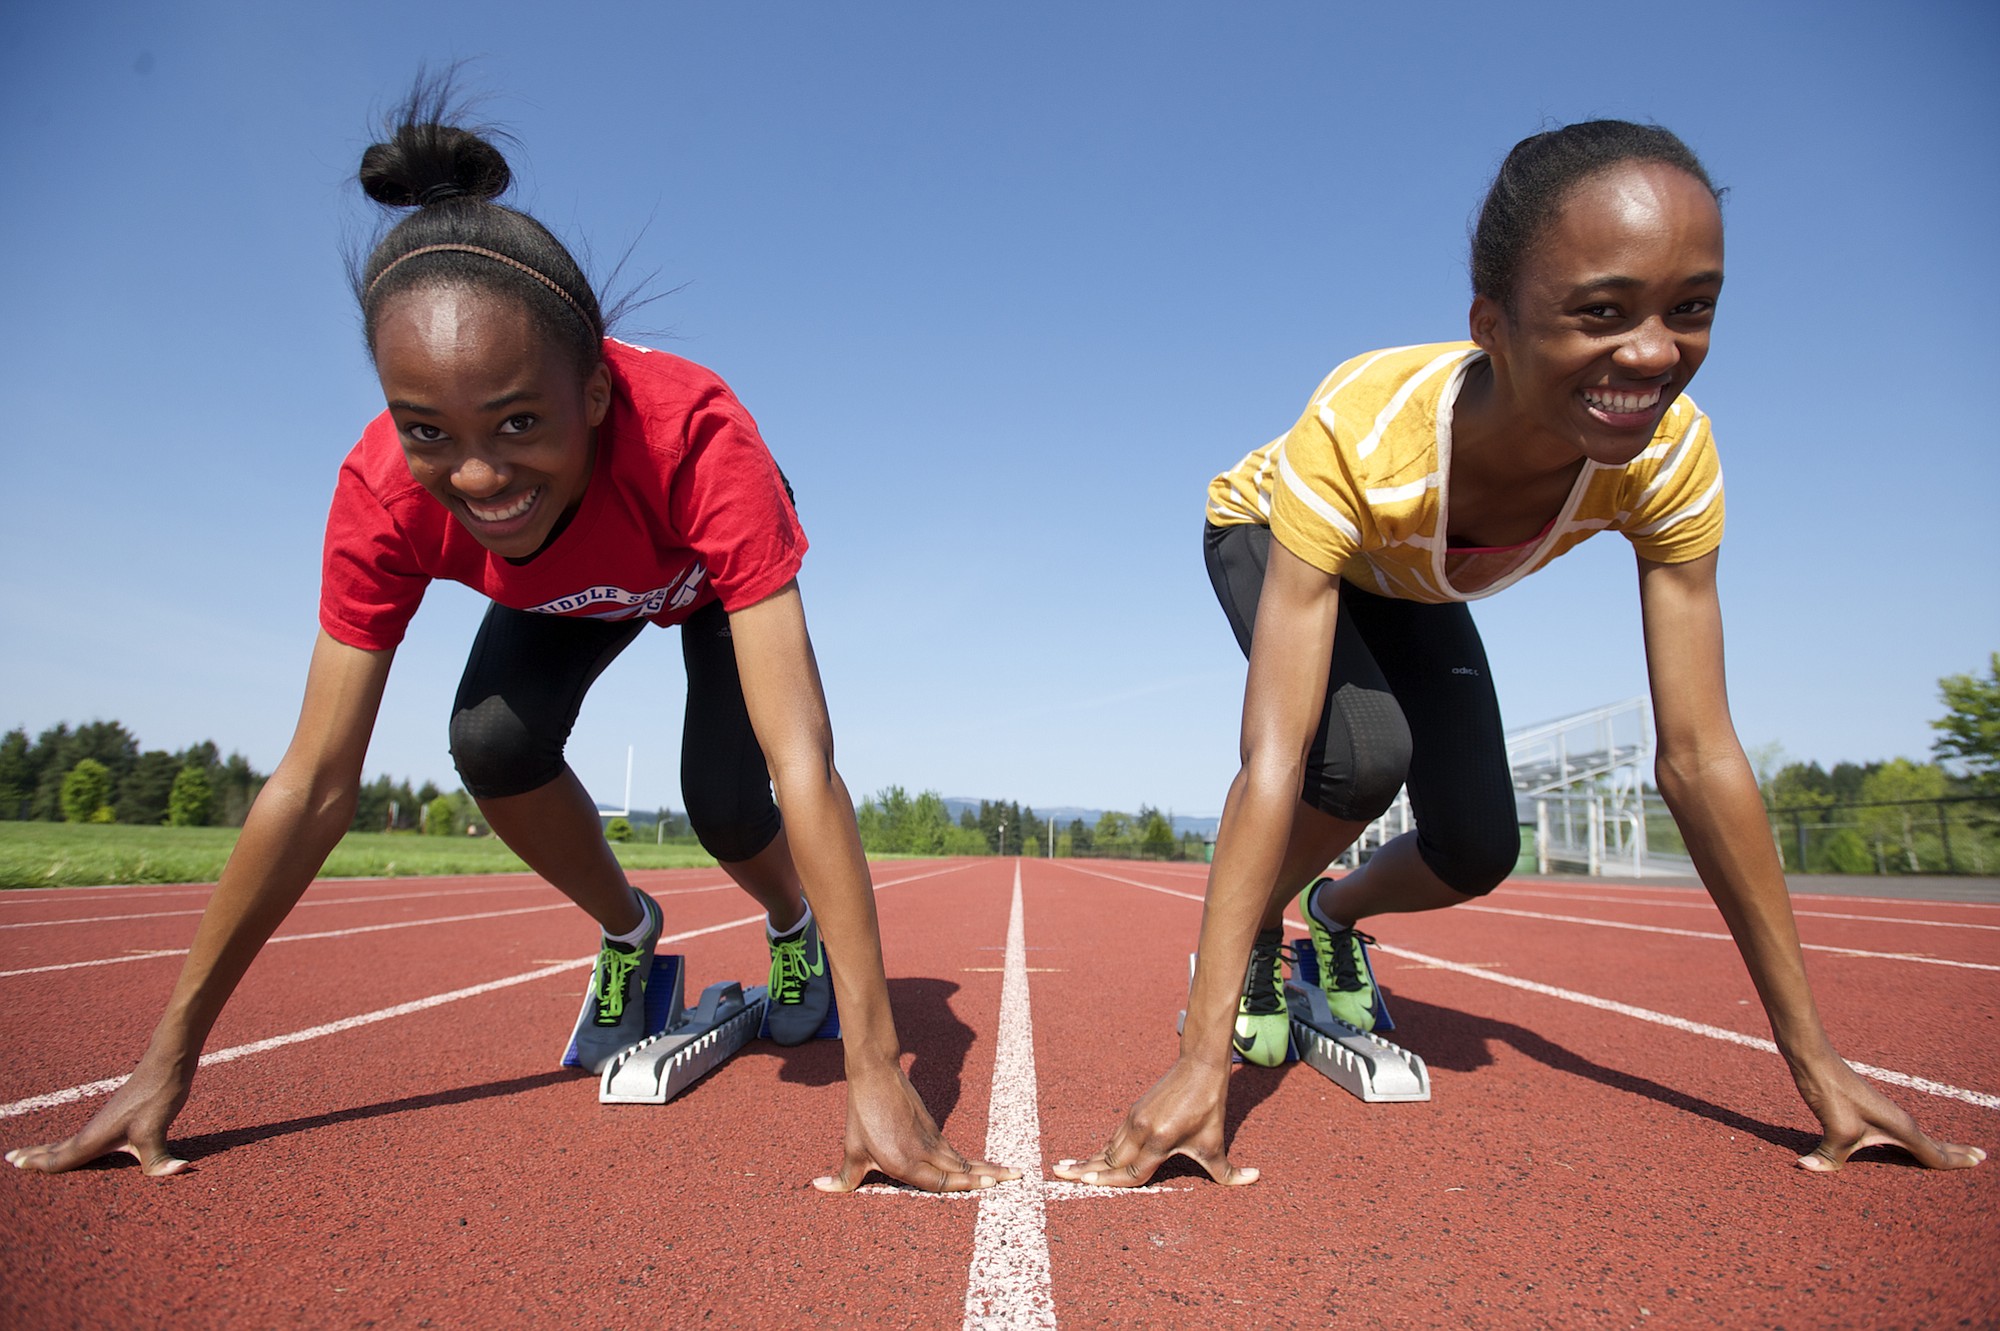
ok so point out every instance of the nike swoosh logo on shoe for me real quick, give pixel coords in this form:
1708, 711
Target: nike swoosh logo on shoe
818, 968
1243, 1046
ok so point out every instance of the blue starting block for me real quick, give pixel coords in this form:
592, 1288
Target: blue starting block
684, 1044
1359, 1062
1305, 970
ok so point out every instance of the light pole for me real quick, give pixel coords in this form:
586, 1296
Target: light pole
1003, 838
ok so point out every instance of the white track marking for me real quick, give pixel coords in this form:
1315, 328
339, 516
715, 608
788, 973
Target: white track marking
1832, 898
290, 938
1053, 1190
94, 1088
508, 881
1163, 891
340, 933
100, 961
71, 1094
1705, 904
1896, 919
1008, 1285
103, 919
537, 886
1698, 933
1889, 1076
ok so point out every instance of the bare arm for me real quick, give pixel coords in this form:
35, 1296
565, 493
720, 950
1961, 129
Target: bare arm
1291, 652
298, 817
888, 1127
1713, 795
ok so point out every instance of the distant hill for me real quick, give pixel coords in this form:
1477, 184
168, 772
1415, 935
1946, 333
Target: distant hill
1063, 815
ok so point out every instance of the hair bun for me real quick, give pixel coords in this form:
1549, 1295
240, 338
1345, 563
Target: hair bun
427, 163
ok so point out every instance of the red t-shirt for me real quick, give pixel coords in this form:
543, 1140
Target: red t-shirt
684, 506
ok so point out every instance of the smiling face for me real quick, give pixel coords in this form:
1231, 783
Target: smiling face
1610, 317
495, 421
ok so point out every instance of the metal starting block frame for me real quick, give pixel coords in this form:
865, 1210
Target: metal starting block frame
687, 1043
1360, 1062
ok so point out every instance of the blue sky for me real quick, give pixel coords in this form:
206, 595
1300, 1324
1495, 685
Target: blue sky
1004, 287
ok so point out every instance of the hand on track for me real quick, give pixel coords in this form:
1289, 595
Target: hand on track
1856, 1115
134, 1121
1181, 1115
888, 1129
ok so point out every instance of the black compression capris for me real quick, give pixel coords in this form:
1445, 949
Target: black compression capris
1409, 697
524, 685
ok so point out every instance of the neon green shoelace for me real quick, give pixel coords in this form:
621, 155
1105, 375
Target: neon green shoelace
614, 967
788, 970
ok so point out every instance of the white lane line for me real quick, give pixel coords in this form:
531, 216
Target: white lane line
1699, 933
33, 896
1008, 1284
1705, 904
330, 933
102, 919
287, 938
71, 1094
1150, 887
537, 886
1889, 1076
1832, 898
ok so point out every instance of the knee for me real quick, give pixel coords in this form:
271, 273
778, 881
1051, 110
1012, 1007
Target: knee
497, 754
1476, 861
1361, 787
732, 830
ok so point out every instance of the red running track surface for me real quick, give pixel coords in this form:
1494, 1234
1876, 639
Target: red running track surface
1575, 1167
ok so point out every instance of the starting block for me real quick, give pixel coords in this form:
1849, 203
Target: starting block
1359, 1062
684, 1044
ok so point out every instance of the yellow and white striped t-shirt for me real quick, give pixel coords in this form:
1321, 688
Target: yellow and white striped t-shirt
1358, 487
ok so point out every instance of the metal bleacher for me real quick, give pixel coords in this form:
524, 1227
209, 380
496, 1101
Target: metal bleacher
1579, 783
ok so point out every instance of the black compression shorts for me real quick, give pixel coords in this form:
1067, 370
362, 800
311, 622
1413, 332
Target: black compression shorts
524, 684
1409, 698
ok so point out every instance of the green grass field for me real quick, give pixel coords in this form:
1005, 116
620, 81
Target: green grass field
68, 855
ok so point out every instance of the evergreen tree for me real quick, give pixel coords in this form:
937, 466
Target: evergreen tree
17, 775
106, 743
144, 791
236, 785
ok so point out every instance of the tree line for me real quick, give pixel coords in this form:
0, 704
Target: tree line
1901, 816
894, 822
97, 773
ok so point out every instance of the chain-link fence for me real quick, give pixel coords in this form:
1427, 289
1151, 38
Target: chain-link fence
1626, 832
1955, 834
